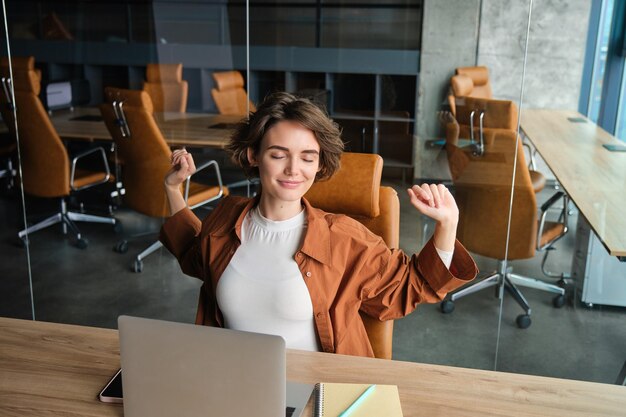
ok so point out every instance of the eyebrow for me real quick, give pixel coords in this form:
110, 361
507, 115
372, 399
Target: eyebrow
282, 148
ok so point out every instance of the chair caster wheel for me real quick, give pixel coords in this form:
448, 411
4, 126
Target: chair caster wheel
447, 306
523, 321
137, 266
558, 301
82, 243
121, 246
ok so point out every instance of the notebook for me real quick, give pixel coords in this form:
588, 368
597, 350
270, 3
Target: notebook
175, 369
331, 399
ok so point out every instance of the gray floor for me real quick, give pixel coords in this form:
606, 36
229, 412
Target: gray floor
94, 286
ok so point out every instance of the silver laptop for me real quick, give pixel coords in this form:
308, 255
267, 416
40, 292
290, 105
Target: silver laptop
174, 369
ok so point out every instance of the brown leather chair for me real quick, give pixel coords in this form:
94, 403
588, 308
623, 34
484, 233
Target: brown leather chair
166, 87
482, 184
473, 83
46, 168
128, 115
355, 190
485, 118
229, 94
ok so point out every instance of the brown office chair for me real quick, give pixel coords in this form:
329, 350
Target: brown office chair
166, 87
482, 184
481, 118
46, 168
469, 82
146, 155
229, 94
355, 190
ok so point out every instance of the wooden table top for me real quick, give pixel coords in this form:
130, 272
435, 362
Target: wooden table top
593, 177
189, 129
58, 370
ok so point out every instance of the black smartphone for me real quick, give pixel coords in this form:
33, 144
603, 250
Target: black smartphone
112, 391
615, 147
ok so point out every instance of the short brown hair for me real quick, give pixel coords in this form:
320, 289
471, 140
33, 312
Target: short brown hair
284, 106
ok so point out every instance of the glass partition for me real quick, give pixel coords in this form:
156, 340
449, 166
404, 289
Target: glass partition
15, 282
580, 334
94, 151
382, 71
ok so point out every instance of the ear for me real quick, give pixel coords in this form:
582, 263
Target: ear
251, 157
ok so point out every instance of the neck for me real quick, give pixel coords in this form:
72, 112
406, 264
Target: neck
279, 210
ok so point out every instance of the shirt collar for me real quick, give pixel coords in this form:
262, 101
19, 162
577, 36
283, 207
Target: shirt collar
316, 239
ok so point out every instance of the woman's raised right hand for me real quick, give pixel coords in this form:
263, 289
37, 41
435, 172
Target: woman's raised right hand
182, 167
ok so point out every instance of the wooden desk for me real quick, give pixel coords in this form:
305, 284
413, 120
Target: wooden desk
189, 129
593, 177
58, 370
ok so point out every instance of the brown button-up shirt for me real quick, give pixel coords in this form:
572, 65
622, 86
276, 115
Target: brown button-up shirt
346, 268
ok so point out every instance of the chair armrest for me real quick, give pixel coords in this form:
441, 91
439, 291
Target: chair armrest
82, 155
544, 211
201, 167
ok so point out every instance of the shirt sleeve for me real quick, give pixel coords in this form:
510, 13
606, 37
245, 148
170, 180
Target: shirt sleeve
445, 256
180, 235
405, 281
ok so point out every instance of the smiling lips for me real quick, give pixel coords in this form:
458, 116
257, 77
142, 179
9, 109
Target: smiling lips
290, 184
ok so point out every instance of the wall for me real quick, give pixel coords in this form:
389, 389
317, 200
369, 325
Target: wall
556, 50
555, 57
449, 36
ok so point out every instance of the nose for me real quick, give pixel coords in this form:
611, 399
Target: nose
292, 166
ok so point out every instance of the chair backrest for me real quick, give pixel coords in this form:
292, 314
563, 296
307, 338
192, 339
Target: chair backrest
44, 160
479, 77
144, 151
469, 82
355, 190
229, 95
482, 187
166, 87
499, 114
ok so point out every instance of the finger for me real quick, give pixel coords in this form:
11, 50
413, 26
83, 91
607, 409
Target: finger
418, 202
176, 155
436, 197
177, 160
443, 192
184, 166
190, 162
420, 194
426, 188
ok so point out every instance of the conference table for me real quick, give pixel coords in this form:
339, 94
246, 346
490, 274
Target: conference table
178, 129
58, 370
592, 176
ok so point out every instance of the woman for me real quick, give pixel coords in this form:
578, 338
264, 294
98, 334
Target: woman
276, 265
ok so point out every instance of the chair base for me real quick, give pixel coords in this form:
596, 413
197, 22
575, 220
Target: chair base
67, 219
511, 283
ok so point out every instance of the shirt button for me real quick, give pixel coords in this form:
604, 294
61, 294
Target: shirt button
308, 273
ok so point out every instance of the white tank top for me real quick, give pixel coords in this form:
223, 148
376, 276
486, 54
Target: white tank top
262, 289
